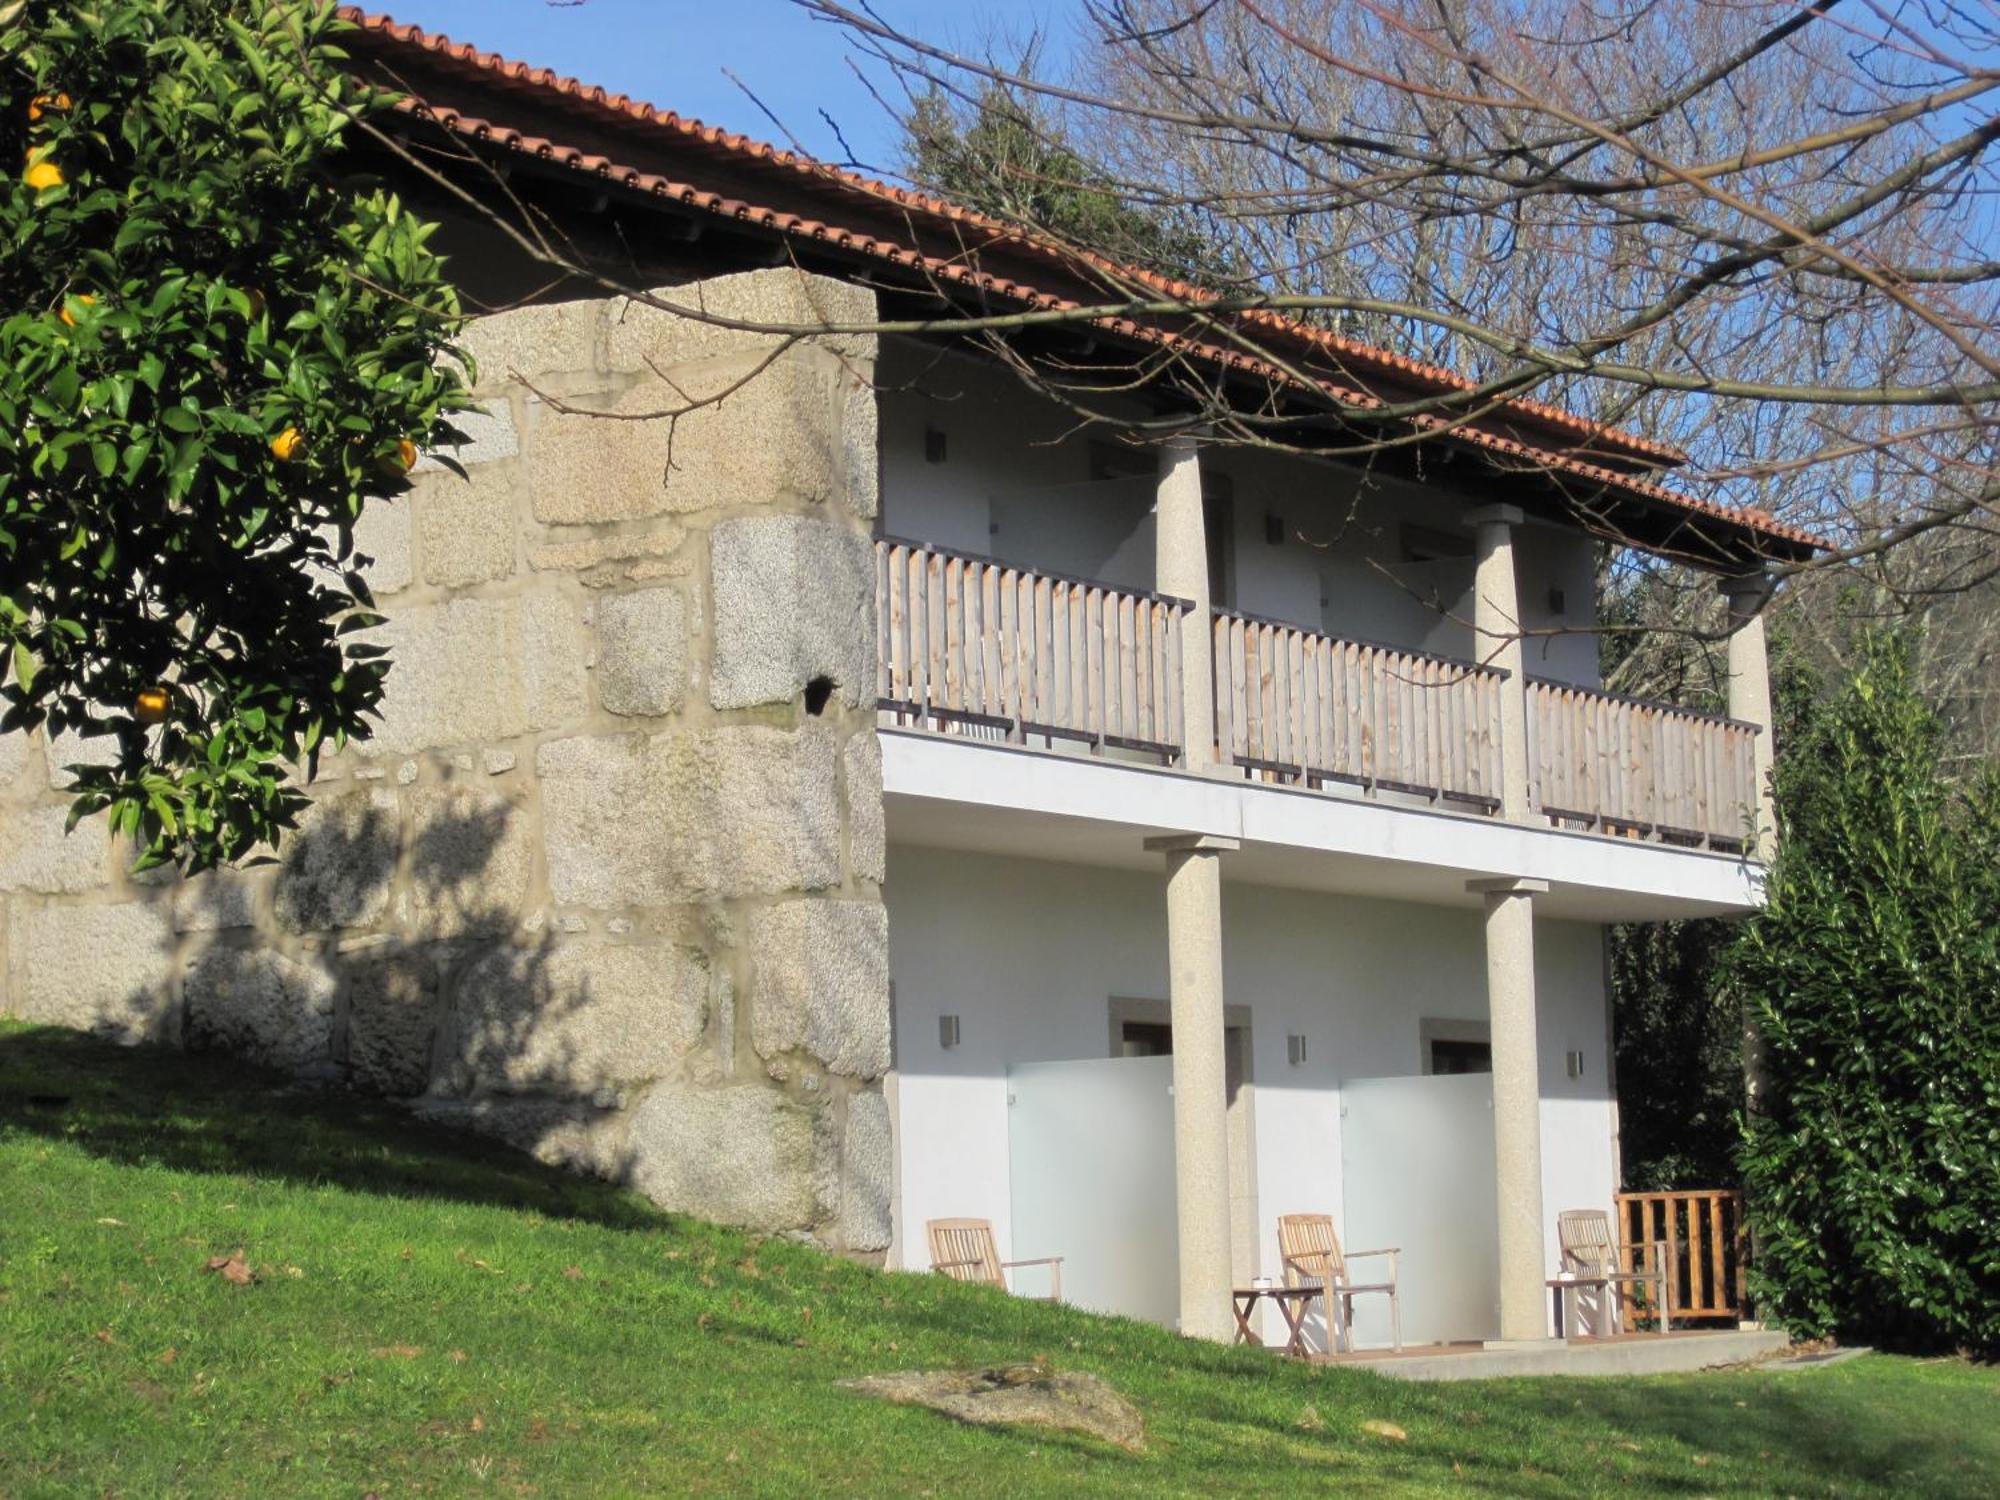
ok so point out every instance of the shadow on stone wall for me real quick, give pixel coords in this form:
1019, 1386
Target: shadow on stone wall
374, 955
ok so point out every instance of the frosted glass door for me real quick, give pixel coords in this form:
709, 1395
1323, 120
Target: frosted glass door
1417, 1164
1092, 1161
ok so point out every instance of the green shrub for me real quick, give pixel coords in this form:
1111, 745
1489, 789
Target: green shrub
1679, 1055
214, 351
1872, 1156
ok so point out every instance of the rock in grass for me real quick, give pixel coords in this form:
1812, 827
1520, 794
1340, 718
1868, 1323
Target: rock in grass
1016, 1394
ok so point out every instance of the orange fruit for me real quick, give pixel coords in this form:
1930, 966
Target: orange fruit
42, 175
287, 445
47, 104
400, 462
82, 298
151, 705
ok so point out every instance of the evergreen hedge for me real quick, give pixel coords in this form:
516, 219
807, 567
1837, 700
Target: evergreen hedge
1872, 1156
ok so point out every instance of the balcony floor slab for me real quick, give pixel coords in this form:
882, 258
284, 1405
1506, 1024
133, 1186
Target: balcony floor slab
948, 792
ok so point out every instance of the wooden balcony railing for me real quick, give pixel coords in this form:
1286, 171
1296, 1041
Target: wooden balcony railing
1708, 1239
974, 646
1641, 770
1303, 706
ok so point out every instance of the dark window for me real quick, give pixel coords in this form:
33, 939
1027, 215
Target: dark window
1145, 1039
1461, 1057
1421, 544
1116, 461
1218, 514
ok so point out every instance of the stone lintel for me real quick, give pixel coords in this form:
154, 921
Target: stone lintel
1507, 885
1501, 515
1193, 843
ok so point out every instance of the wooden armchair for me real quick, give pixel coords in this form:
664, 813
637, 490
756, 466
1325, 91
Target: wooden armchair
1311, 1252
1590, 1249
963, 1249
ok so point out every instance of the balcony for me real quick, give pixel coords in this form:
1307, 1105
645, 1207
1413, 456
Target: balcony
972, 647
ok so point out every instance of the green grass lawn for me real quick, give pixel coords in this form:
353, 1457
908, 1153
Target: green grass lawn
432, 1315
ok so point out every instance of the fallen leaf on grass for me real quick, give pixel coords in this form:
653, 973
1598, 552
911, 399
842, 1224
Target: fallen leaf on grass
103, 1336
233, 1268
1385, 1430
1310, 1420
114, 1223
574, 1273
169, 1354
478, 1422
396, 1351
457, 1356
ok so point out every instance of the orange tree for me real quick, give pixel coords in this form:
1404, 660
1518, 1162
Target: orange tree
216, 350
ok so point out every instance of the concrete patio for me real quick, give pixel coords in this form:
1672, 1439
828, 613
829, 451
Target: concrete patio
1624, 1354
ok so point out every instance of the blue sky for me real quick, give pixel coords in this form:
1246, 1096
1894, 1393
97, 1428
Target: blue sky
673, 53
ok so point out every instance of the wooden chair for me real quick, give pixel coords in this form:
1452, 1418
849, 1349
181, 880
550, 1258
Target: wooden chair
1590, 1249
1311, 1252
963, 1249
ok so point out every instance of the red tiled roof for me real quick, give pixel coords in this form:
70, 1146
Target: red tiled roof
1603, 446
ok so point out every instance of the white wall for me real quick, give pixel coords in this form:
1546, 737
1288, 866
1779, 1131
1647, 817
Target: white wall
1029, 954
1015, 485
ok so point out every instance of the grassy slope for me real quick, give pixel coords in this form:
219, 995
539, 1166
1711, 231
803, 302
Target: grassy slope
436, 1316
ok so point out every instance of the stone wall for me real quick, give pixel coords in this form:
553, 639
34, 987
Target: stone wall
603, 882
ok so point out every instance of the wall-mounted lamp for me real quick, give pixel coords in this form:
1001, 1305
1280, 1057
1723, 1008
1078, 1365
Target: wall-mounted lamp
947, 1031
1295, 1049
1573, 1064
934, 446
1274, 529
1556, 601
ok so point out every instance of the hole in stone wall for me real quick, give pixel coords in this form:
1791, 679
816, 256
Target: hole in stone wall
818, 691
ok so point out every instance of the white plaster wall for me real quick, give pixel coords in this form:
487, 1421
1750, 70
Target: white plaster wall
1028, 955
1015, 485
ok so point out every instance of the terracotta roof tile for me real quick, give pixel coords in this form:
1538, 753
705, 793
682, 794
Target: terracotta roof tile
551, 88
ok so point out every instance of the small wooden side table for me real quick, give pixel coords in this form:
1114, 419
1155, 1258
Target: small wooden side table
1562, 1290
1292, 1302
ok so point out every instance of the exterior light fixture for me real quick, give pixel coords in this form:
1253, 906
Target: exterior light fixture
1573, 1063
947, 1031
1295, 1049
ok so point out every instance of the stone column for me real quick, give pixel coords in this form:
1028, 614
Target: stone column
1496, 623
1750, 700
1750, 692
1201, 1103
1517, 1102
1180, 549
